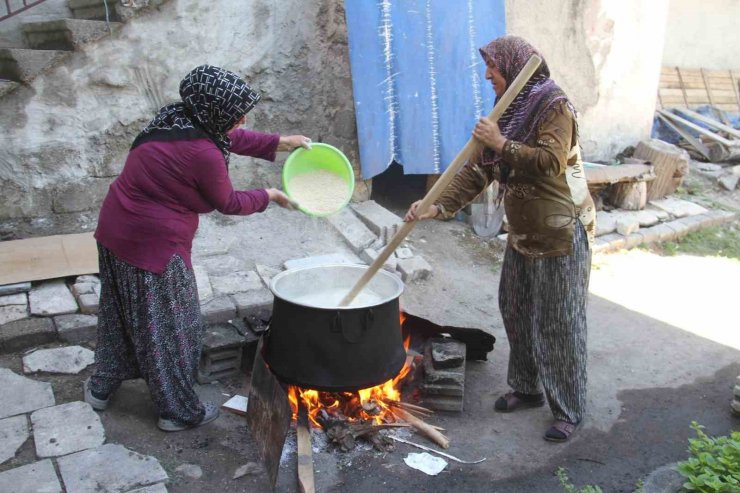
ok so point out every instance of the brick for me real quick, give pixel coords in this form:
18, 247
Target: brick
21, 287
23, 334
236, 282
77, 329
380, 220
352, 229
414, 268
220, 309
329, 259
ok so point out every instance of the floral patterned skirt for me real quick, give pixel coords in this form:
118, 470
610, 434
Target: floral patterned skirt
149, 326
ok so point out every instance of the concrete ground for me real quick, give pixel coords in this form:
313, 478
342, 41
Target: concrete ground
663, 351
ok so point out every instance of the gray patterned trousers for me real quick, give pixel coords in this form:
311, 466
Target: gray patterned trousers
543, 304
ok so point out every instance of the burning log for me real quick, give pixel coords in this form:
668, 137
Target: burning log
345, 433
423, 427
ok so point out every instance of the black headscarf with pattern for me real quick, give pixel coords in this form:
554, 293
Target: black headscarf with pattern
213, 101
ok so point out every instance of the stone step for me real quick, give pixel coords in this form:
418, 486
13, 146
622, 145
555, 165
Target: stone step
23, 65
65, 34
93, 9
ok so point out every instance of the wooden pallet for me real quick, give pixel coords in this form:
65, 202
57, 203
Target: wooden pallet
690, 88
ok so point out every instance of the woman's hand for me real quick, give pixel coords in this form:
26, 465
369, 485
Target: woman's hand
281, 199
290, 142
413, 215
488, 134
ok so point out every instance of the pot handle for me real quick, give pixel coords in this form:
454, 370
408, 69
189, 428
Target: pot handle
353, 336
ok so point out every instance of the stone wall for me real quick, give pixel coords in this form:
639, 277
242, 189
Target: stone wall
702, 34
606, 56
71, 128
10, 33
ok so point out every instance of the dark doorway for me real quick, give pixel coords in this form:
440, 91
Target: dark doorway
396, 191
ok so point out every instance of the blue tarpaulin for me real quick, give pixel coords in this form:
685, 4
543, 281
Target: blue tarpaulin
418, 79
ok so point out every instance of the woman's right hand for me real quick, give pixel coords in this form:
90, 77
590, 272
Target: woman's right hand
412, 213
281, 199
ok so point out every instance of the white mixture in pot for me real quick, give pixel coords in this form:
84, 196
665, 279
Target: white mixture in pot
320, 191
330, 298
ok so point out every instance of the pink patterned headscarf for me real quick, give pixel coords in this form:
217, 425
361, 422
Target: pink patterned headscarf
509, 54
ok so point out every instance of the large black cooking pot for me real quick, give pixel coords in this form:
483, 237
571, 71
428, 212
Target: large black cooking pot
315, 344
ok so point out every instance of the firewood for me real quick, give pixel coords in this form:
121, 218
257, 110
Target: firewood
423, 427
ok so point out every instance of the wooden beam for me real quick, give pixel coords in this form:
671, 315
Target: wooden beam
693, 141
305, 453
713, 123
683, 89
693, 126
735, 88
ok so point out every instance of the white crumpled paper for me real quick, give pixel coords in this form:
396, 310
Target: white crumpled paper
426, 463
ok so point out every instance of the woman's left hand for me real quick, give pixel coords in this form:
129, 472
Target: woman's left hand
488, 133
290, 142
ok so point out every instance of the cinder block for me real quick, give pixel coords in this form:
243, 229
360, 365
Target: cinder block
352, 229
414, 268
380, 220
222, 352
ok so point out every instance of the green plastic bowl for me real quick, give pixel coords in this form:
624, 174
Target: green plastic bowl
320, 157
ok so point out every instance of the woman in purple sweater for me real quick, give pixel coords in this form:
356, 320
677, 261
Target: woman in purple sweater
149, 324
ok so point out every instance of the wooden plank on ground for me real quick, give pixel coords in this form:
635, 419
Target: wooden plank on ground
708, 133
48, 257
711, 122
697, 144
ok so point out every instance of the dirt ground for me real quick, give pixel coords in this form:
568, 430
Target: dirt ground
649, 377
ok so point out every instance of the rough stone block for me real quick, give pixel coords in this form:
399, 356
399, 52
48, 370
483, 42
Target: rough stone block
266, 273
615, 241
220, 309
600, 245
644, 218
352, 229
729, 181
651, 235
155, 488
447, 353
692, 223
32, 478
89, 304
114, 466
80, 288
67, 428
664, 232
223, 264
77, 329
443, 403
414, 268
254, 305
205, 290
677, 207
236, 282
23, 395
606, 223
626, 226
662, 215
369, 255
80, 195
680, 229
631, 241
380, 220
13, 434
70, 360
330, 259
21, 287
13, 307
22, 334
52, 298
404, 253
721, 217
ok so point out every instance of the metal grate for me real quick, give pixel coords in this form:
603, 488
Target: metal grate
17, 7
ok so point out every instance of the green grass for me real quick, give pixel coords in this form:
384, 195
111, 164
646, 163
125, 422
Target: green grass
719, 241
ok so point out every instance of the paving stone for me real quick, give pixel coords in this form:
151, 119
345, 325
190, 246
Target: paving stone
32, 478
380, 220
662, 215
677, 207
223, 264
631, 241
729, 181
80, 288
414, 268
111, 466
13, 434
692, 223
205, 291
52, 298
254, 304
352, 229
330, 259
720, 217
664, 232
22, 395
369, 255
680, 229
87, 278
627, 226
21, 287
606, 223
220, 309
600, 245
13, 307
644, 218
447, 354
404, 252
25, 333
89, 304
76, 328
70, 360
615, 241
67, 428
236, 282
266, 273
155, 488
192, 471
651, 235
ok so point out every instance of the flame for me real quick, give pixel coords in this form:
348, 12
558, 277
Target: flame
353, 405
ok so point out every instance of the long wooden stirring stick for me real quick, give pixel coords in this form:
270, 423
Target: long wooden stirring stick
462, 157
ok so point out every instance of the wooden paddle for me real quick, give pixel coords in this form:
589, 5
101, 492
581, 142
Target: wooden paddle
462, 157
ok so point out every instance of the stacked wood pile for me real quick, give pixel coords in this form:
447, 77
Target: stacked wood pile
690, 88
